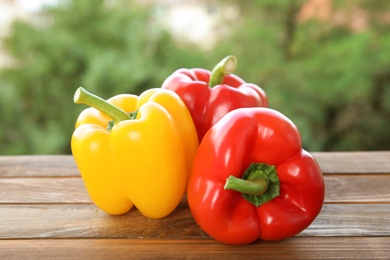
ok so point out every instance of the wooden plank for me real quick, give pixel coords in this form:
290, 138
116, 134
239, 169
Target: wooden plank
377, 162
45, 212
86, 221
64, 165
43, 190
339, 188
293, 248
357, 188
351, 220
37, 165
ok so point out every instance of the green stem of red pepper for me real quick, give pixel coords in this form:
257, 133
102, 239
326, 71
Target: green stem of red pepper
82, 96
258, 185
224, 67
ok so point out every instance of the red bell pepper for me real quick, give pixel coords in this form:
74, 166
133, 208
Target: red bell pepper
210, 95
252, 180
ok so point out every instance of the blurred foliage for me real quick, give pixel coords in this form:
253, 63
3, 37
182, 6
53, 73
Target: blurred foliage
108, 49
332, 80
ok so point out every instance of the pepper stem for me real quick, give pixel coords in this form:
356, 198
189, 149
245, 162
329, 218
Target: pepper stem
224, 67
259, 184
82, 96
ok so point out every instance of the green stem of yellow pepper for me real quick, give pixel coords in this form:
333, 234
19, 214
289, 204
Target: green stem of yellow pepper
224, 67
82, 96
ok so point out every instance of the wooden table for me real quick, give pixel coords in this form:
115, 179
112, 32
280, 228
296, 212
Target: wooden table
46, 213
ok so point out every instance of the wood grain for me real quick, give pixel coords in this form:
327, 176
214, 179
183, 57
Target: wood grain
339, 188
293, 248
45, 212
377, 162
86, 221
359, 188
64, 165
43, 190
37, 166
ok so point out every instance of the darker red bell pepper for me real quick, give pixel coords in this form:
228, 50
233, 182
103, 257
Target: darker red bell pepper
252, 180
210, 95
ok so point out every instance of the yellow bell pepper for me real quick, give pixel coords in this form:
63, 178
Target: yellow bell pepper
145, 159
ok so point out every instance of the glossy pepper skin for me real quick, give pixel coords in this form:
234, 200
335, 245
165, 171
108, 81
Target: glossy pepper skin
242, 137
143, 161
209, 95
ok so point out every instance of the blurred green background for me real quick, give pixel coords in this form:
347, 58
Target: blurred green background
325, 64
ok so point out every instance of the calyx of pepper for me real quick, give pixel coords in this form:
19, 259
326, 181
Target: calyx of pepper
111, 123
258, 185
